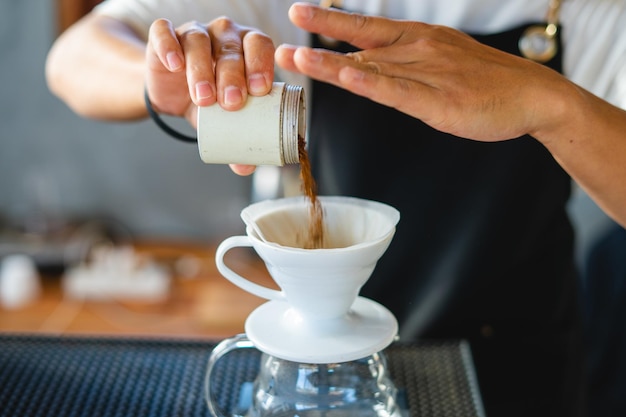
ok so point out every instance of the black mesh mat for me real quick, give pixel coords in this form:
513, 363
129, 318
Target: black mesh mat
80, 376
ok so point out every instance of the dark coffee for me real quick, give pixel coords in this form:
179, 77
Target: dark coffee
315, 238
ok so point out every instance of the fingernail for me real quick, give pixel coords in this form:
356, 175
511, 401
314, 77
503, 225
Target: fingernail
303, 11
258, 85
232, 96
173, 61
288, 46
204, 90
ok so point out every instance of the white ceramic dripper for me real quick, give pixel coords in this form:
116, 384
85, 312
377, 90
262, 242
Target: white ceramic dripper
317, 316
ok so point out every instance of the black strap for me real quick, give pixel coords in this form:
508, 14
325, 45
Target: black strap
167, 129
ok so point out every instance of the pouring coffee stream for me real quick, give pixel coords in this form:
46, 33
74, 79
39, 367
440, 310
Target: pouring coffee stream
315, 238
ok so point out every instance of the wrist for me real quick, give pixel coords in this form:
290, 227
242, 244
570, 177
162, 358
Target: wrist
560, 108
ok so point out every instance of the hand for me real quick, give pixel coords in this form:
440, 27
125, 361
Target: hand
436, 74
198, 65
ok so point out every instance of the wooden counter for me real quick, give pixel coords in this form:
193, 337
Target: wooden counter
200, 304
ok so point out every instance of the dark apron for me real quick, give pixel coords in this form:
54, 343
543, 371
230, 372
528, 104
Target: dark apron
484, 247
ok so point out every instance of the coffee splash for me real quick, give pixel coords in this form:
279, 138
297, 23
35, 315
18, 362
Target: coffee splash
315, 237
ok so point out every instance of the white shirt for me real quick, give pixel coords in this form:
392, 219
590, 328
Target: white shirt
594, 31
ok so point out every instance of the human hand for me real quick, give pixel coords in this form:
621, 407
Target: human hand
199, 65
436, 74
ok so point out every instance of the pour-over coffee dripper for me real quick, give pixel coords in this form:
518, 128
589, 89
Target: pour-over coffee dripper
316, 326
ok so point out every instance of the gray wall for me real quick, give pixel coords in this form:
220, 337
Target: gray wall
54, 162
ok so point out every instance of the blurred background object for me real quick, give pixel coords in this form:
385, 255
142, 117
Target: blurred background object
69, 11
604, 300
19, 282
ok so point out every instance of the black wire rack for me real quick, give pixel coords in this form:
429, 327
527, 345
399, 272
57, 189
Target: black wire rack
42, 376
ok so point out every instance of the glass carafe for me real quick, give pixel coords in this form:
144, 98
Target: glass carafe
285, 388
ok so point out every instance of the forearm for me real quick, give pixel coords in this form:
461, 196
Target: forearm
588, 139
97, 68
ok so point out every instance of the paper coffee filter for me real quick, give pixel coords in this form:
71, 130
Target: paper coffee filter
347, 221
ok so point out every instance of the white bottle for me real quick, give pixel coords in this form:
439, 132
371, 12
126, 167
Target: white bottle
19, 281
265, 131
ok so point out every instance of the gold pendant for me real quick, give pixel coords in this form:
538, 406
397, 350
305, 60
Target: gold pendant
539, 43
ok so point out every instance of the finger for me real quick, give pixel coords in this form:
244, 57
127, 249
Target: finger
368, 80
164, 43
390, 91
232, 88
259, 62
320, 64
167, 88
284, 57
324, 65
429, 104
242, 170
423, 44
397, 61
196, 45
364, 32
